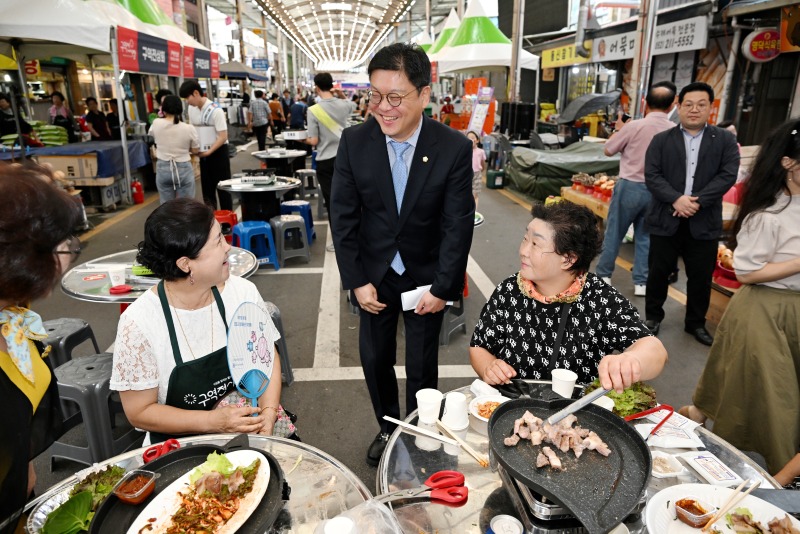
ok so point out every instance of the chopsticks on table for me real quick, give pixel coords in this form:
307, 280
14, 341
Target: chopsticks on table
482, 459
732, 501
422, 431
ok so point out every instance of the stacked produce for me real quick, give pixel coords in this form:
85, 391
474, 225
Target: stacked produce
50, 135
600, 185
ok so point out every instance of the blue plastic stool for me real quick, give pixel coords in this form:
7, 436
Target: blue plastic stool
302, 208
263, 247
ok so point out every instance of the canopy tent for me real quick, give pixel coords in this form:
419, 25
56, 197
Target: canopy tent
423, 40
236, 70
450, 27
478, 44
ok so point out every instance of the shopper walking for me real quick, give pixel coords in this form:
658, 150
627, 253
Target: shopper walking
175, 141
277, 118
402, 217
215, 165
259, 118
326, 121
631, 197
687, 170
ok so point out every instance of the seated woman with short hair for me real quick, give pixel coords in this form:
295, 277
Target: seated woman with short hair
553, 293
170, 360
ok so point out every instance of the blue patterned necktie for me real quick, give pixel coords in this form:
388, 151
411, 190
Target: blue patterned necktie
400, 179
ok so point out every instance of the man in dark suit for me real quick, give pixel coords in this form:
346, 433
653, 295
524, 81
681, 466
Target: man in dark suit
687, 169
402, 216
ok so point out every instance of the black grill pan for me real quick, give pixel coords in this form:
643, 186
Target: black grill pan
115, 516
600, 492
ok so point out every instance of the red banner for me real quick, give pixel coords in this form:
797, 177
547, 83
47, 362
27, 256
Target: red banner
434, 71
174, 55
141, 52
214, 65
188, 62
128, 49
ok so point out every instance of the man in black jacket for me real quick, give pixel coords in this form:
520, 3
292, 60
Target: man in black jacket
402, 216
687, 169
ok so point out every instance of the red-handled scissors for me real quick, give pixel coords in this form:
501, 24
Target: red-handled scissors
445, 487
665, 407
160, 449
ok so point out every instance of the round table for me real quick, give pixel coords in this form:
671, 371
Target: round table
321, 486
280, 159
260, 202
409, 460
90, 281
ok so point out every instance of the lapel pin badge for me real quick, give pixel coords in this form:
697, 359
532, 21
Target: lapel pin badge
425, 159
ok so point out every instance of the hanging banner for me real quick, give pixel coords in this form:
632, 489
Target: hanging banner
200, 63
188, 62
480, 110
790, 28
762, 45
670, 38
434, 71
565, 56
140, 52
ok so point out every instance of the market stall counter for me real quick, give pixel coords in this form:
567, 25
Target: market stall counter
317, 486
494, 491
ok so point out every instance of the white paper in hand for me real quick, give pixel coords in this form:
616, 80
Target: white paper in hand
411, 298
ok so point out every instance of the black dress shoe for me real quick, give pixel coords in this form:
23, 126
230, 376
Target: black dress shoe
701, 335
376, 449
673, 276
653, 326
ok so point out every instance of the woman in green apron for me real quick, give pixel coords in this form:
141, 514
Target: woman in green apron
170, 359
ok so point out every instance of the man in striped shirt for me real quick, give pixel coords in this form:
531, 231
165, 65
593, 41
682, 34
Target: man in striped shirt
259, 118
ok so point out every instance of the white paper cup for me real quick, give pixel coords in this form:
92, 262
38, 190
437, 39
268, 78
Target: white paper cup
604, 402
117, 276
564, 382
428, 403
456, 414
424, 442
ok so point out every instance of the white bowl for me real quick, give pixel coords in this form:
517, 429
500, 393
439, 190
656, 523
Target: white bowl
481, 424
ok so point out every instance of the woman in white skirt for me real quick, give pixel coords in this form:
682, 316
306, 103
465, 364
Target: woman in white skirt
175, 142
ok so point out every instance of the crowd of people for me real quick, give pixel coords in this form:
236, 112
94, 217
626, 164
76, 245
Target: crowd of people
401, 192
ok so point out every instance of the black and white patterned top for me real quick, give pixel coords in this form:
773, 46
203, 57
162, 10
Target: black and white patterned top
522, 331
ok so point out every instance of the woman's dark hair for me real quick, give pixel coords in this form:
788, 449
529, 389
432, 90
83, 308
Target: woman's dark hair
575, 231
768, 177
161, 93
90, 99
173, 105
696, 86
407, 58
35, 219
59, 94
177, 228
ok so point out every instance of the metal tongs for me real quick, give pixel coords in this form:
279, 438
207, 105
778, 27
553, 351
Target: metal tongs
658, 408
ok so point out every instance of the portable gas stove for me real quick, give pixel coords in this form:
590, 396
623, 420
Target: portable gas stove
540, 515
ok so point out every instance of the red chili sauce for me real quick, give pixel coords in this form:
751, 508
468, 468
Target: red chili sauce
690, 506
129, 491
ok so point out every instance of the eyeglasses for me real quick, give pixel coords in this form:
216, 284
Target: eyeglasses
73, 247
394, 99
700, 106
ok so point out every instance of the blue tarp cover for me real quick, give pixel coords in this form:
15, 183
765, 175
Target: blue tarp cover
109, 154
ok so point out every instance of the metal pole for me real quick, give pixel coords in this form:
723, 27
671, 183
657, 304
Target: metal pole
726, 87
240, 30
94, 82
23, 81
646, 57
428, 18
460, 9
513, 71
121, 105
408, 26
294, 70
206, 38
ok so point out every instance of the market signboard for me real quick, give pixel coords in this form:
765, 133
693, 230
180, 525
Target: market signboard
200, 63
762, 45
565, 56
140, 52
670, 38
790, 28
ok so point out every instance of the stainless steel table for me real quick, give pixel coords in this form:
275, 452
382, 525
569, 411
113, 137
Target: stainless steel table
409, 460
321, 486
281, 159
260, 202
91, 282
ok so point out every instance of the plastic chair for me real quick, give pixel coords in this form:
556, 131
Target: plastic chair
256, 236
283, 351
227, 220
308, 181
291, 237
303, 208
65, 334
85, 381
453, 320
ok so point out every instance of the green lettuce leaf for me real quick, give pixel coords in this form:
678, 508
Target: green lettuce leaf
214, 462
71, 517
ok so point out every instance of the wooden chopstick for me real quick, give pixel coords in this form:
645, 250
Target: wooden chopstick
464, 445
732, 501
422, 431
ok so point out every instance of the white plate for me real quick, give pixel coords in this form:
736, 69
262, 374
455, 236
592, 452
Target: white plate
660, 513
167, 502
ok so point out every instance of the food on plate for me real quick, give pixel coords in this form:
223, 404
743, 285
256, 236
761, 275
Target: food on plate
782, 526
741, 521
214, 495
661, 465
637, 398
563, 435
486, 409
694, 512
84, 498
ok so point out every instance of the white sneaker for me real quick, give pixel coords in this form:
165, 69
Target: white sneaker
606, 279
330, 248
640, 290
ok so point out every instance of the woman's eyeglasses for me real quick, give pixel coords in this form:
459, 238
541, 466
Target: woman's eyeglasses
71, 246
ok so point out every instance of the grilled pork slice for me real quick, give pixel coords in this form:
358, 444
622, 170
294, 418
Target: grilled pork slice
555, 463
511, 441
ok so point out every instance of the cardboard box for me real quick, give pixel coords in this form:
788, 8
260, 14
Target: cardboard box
84, 166
720, 296
105, 192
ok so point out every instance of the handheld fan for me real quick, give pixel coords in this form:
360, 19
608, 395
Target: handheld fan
251, 351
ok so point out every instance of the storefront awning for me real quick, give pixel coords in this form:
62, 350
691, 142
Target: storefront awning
743, 7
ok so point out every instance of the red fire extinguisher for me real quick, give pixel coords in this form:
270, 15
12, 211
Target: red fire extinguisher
138, 191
